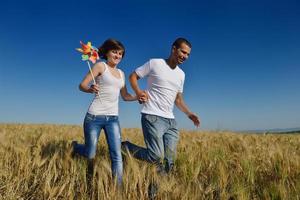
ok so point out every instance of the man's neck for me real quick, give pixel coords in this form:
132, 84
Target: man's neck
172, 64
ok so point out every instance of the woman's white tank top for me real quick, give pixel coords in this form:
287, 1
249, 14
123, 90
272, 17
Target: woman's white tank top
107, 102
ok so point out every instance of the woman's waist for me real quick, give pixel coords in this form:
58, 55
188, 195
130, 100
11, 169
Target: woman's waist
105, 99
100, 106
101, 117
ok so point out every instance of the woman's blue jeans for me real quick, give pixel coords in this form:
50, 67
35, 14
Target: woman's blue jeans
93, 124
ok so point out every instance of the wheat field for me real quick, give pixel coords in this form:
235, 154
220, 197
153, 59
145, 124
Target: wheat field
36, 163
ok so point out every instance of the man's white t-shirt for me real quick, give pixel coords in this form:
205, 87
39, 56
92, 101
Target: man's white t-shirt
163, 85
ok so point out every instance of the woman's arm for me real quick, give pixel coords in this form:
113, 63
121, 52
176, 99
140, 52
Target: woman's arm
84, 86
126, 96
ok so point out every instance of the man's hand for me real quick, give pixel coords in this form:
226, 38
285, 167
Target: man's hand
142, 96
195, 119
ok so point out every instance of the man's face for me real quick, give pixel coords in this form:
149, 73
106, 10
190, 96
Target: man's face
182, 53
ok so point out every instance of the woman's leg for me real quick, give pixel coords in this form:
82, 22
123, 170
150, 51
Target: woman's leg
92, 129
113, 136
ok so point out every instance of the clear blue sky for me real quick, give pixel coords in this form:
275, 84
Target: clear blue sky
243, 72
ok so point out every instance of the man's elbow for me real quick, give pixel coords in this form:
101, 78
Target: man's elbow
178, 100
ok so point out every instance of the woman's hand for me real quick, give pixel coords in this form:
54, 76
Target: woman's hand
94, 88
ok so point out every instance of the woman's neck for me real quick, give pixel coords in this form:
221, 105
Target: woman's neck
111, 65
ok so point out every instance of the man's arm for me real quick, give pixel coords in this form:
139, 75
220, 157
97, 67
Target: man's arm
179, 102
141, 95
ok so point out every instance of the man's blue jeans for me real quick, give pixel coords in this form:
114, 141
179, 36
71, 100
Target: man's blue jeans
161, 136
93, 124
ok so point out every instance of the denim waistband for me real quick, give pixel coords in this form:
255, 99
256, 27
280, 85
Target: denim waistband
144, 114
107, 117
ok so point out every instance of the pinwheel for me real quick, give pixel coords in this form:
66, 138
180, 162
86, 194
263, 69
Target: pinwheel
89, 53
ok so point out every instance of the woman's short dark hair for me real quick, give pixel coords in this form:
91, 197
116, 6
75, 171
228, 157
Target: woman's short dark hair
108, 45
179, 41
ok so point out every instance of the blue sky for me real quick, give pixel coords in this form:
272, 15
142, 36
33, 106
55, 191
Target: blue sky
243, 72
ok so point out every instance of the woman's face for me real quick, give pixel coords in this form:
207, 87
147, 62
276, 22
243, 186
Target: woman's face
114, 56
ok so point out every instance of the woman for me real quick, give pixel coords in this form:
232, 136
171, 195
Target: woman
103, 111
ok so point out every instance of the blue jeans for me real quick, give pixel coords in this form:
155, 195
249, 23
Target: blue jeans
161, 136
93, 124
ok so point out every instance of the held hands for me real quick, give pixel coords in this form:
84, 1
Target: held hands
195, 119
142, 96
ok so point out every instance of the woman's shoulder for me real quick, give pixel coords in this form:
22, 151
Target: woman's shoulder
99, 66
120, 70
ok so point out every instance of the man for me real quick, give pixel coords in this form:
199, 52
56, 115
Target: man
165, 86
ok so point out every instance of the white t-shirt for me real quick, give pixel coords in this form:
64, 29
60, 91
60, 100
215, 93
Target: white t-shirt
107, 103
163, 84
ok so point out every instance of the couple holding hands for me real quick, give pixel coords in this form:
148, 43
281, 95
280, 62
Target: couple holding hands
165, 82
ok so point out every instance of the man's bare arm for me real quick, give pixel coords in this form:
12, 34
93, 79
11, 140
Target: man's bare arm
179, 102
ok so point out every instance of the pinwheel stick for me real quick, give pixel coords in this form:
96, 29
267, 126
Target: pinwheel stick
98, 94
91, 72
89, 53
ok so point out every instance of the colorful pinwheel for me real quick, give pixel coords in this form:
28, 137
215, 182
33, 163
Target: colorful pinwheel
89, 53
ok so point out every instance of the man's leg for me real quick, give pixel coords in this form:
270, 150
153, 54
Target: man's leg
153, 129
170, 139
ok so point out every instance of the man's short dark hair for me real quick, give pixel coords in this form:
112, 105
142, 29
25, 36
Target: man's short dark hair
179, 41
